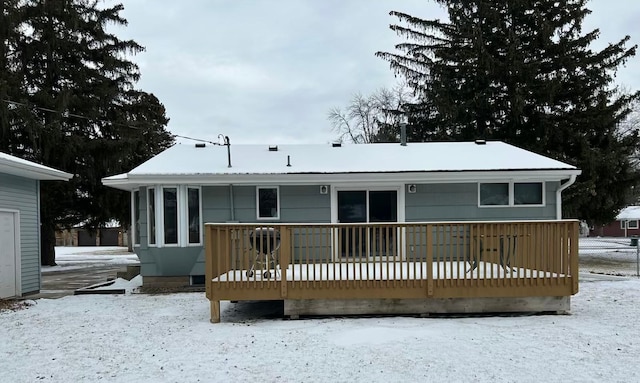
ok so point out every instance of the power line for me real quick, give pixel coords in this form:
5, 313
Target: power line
67, 114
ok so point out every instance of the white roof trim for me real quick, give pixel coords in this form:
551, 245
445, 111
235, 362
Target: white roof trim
19, 167
130, 182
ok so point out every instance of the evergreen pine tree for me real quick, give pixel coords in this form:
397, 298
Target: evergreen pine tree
80, 111
524, 72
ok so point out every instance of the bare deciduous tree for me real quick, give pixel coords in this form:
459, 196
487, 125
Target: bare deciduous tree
373, 118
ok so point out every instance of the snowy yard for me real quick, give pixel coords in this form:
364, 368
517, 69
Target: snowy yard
168, 338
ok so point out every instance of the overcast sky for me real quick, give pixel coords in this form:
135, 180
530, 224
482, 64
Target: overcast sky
268, 71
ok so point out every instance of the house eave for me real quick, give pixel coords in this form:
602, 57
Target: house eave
37, 173
133, 181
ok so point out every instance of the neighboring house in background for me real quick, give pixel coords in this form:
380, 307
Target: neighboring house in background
625, 225
180, 189
20, 223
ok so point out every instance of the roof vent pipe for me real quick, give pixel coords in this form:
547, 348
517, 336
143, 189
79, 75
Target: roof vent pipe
403, 134
289, 161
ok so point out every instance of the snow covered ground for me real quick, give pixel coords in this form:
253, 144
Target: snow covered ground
168, 338
69, 257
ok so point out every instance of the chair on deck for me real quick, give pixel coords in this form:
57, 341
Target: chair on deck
265, 241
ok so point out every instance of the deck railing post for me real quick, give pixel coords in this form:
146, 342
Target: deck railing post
574, 255
208, 260
429, 246
285, 257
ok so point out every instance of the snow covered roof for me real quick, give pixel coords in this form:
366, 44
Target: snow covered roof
629, 213
256, 164
18, 167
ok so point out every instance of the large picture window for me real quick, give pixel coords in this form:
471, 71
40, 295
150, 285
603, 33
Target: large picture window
511, 194
268, 202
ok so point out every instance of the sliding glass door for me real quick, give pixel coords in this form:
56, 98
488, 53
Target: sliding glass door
364, 206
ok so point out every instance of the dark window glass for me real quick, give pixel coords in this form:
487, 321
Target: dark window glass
494, 194
267, 203
193, 202
152, 216
170, 203
527, 193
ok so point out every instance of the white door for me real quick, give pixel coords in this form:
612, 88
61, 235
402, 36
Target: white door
8, 255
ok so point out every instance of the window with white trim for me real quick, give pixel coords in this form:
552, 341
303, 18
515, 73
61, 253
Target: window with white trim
151, 216
170, 214
511, 194
631, 224
193, 216
268, 202
175, 216
135, 217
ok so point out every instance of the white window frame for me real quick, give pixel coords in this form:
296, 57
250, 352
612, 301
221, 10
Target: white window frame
277, 217
626, 224
185, 216
135, 234
512, 194
182, 216
178, 199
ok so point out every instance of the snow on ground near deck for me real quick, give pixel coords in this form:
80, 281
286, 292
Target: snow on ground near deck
168, 338
72, 257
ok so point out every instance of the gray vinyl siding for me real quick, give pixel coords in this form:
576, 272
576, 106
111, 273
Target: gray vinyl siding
304, 203
18, 193
459, 202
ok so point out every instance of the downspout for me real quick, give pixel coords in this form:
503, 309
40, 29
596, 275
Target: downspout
571, 181
233, 210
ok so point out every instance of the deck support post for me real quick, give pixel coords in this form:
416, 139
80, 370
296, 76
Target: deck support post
215, 311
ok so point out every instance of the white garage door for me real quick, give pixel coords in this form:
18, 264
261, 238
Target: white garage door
8, 253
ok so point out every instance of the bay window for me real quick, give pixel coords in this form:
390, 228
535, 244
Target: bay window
174, 216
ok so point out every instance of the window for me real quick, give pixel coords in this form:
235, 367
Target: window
151, 219
193, 211
494, 194
511, 194
633, 224
170, 206
527, 193
268, 202
175, 216
135, 205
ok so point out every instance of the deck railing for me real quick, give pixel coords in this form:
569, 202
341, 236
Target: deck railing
391, 260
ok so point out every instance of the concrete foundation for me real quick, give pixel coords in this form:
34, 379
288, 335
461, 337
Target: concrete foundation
296, 308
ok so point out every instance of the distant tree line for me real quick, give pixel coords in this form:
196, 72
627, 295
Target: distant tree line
68, 100
523, 72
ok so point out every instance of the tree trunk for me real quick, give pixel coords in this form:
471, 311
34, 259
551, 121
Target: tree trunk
47, 244
129, 240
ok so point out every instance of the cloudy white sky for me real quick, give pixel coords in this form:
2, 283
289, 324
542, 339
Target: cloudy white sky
267, 71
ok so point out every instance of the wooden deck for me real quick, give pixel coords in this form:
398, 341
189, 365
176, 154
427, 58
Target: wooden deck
392, 261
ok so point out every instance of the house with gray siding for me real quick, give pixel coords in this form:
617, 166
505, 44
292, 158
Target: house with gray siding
20, 223
175, 193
